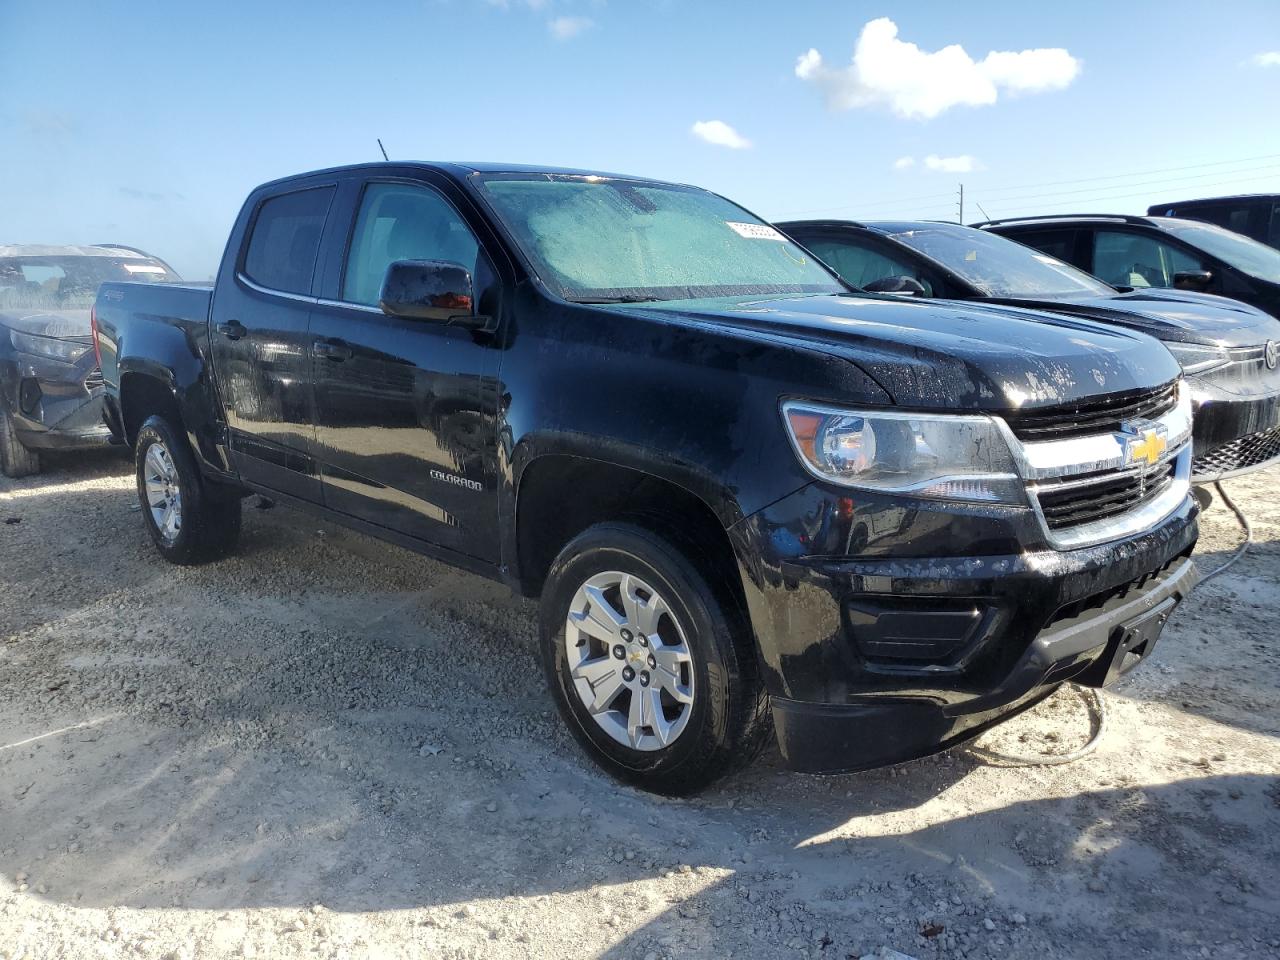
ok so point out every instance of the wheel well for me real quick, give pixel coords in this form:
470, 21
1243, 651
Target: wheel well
142, 396
560, 496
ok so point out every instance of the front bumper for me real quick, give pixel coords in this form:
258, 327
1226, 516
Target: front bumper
1237, 417
1234, 435
55, 406
889, 652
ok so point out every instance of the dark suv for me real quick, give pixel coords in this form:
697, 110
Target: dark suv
1255, 215
1132, 252
1230, 352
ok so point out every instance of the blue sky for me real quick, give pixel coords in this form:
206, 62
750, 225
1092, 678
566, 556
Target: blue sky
146, 123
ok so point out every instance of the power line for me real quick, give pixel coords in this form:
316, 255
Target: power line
1125, 196
1271, 167
897, 201
1139, 173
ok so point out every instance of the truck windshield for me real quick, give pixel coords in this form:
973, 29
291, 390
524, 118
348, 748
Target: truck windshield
595, 239
1000, 267
1254, 258
69, 282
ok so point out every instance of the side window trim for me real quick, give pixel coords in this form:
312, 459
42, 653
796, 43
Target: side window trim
241, 273
356, 210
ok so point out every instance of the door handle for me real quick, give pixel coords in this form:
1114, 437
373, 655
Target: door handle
232, 330
334, 350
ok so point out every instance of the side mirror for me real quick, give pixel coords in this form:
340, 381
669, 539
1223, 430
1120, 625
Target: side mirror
901, 286
434, 290
1192, 279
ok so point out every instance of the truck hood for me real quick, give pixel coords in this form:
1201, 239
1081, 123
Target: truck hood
945, 355
59, 324
1175, 315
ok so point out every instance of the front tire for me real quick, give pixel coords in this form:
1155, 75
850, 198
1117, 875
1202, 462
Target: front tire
188, 521
15, 459
652, 668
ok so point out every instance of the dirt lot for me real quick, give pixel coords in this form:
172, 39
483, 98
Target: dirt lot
327, 747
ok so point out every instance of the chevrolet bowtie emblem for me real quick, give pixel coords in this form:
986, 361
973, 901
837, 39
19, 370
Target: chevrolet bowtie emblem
1148, 448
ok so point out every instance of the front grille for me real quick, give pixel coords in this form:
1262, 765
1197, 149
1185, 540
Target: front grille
94, 379
1096, 416
1087, 499
1239, 454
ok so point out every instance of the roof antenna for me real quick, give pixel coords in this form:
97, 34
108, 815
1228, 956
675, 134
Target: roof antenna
984, 213
383, 149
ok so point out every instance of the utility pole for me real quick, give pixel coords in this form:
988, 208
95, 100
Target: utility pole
962, 203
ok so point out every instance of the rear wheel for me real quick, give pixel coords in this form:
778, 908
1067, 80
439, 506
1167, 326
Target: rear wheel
189, 520
651, 667
15, 459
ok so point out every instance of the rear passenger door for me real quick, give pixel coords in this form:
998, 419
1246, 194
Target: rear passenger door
407, 409
260, 340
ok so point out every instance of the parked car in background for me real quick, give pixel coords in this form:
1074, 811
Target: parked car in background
1131, 252
734, 483
1229, 351
1255, 215
50, 383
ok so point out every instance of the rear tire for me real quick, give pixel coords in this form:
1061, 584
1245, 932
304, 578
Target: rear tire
189, 520
15, 459
706, 715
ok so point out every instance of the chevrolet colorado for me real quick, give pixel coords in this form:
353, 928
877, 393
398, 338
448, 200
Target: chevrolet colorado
749, 498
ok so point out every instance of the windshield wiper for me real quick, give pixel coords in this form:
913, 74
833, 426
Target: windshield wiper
627, 299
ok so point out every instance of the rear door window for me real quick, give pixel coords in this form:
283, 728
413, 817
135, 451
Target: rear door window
1129, 259
1273, 234
286, 236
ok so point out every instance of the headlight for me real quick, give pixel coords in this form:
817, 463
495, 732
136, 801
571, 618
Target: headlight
1196, 358
936, 456
65, 351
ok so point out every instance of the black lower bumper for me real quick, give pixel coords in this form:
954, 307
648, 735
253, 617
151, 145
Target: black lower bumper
1096, 647
1235, 435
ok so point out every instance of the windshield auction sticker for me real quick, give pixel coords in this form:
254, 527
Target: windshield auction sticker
754, 231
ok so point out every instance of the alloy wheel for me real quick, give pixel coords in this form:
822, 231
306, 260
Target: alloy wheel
630, 660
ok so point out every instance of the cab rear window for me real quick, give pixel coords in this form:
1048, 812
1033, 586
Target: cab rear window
285, 239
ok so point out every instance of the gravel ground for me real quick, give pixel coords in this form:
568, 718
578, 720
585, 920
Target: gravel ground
329, 747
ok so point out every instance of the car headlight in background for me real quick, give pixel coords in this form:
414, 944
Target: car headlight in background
1196, 358
64, 351
934, 456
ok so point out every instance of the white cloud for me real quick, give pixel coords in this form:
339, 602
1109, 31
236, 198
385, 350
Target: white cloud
903, 162
1269, 59
719, 133
886, 71
961, 164
566, 28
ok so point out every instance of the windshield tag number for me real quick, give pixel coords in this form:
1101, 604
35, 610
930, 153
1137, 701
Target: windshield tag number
755, 231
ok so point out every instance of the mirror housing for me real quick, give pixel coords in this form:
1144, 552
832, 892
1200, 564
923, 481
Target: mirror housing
1192, 279
900, 286
434, 290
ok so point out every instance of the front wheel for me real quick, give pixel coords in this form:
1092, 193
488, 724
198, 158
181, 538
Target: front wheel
652, 668
15, 459
189, 522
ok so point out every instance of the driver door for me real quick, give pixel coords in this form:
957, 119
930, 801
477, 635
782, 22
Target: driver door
406, 410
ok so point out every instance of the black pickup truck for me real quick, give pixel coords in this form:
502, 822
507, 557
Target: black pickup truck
743, 492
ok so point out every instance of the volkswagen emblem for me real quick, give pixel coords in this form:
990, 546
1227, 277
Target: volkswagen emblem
1272, 354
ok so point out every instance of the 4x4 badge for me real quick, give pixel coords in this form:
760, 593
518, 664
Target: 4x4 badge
1272, 354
